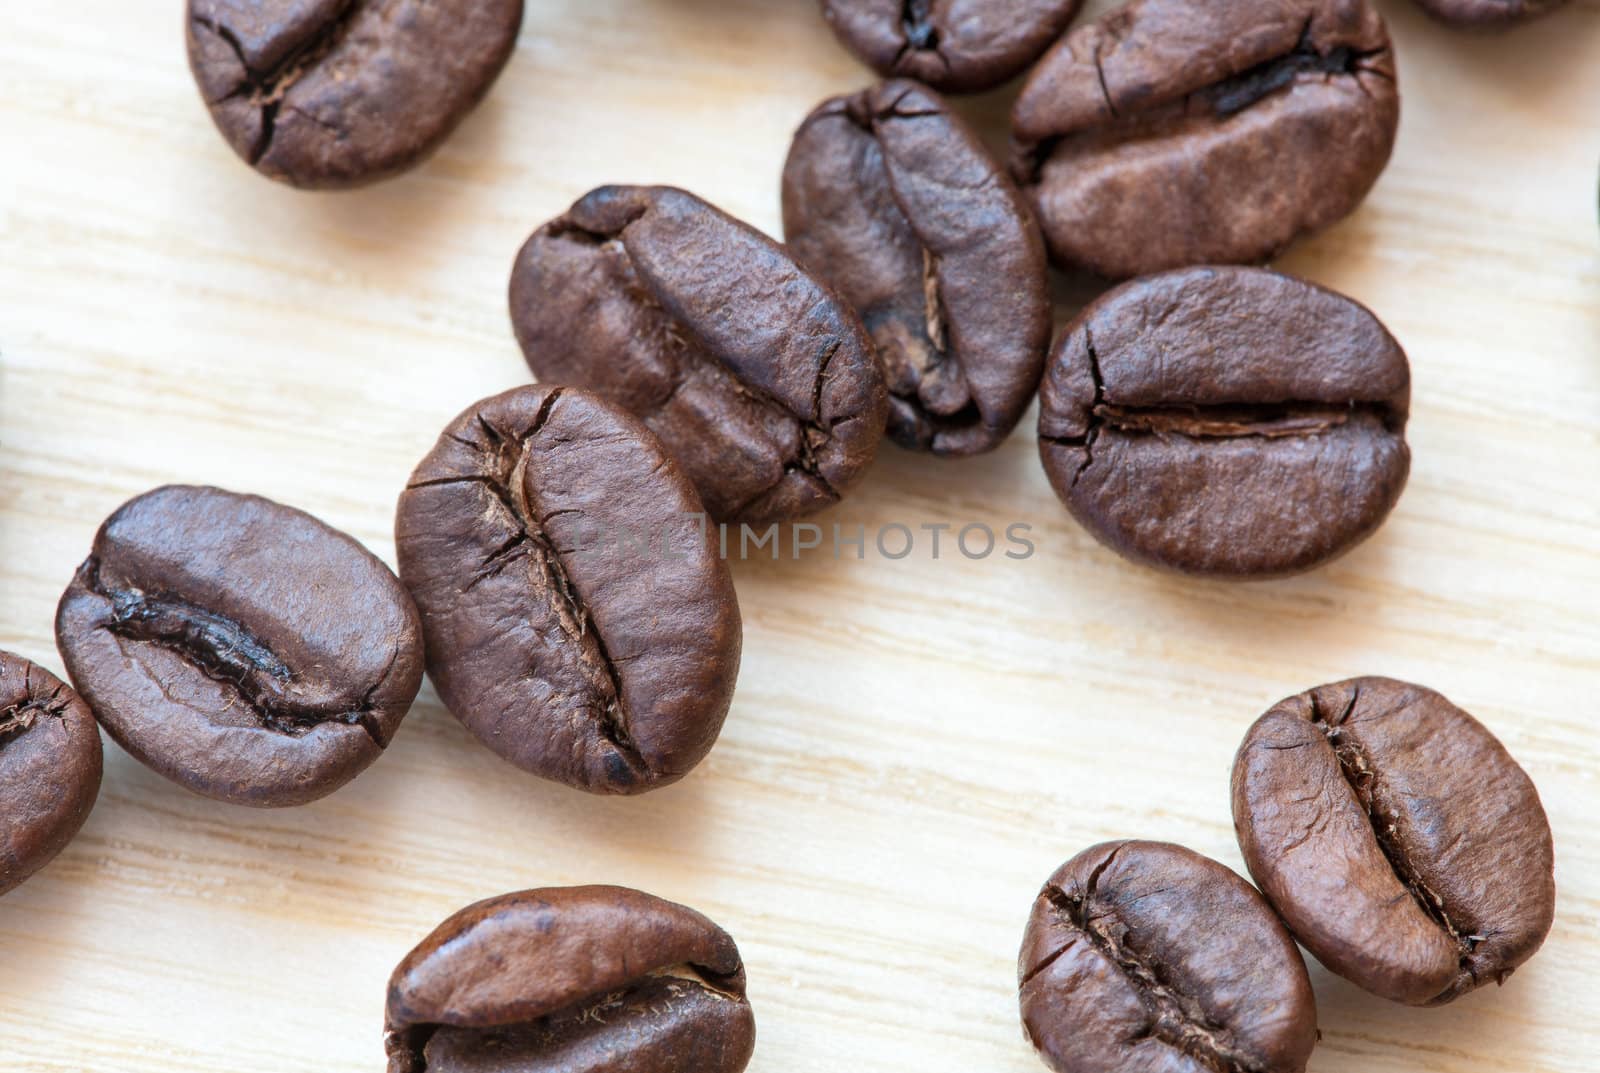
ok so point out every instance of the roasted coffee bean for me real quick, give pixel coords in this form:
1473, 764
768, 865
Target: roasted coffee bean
578, 620
959, 46
1398, 839
1147, 956
49, 767
892, 199
757, 378
575, 980
337, 93
239, 647
1488, 14
1182, 132
1227, 422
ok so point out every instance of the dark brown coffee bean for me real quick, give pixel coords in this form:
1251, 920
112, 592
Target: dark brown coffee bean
757, 378
1227, 422
1401, 843
1181, 132
49, 767
1147, 956
578, 621
959, 46
892, 199
1488, 14
337, 93
239, 647
575, 980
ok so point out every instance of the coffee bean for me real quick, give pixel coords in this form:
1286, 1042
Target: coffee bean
892, 199
578, 620
1147, 956
1228, 422
1488, 14
337, 93
757, 378
49, 767
1401, 843
241, 648
574, 980
1181, 132
959, 46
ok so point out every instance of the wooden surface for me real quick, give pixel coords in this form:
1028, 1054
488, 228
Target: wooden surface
915, 745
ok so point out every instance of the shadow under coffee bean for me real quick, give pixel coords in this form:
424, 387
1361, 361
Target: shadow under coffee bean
891, 198
1181, 132
240, 647
1147, 956
1402, 844
567, 647
50, 764
1226, 422
337, 93
571, 980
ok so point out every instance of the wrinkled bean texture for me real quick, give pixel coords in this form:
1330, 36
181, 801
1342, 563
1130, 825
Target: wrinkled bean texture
1488, 14
337, 93
1226, 422
554, 633
1402, 844
571, 980
50, 765
759, 380
1146, 956
958, 46
1182, 132
891, 198
239, 647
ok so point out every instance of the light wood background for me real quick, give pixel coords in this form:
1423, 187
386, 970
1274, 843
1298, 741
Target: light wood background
915, 745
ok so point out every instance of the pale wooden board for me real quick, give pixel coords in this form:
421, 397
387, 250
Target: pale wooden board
915, 745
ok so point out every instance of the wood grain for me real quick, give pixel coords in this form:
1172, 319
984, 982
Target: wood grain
916, 744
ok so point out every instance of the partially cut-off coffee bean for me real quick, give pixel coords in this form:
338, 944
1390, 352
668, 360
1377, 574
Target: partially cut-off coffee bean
578, 618
1397, 837
1182, 132
49, 767
1146, 956
892, 198
1488, 14
240, 647
573, 980
1226, 422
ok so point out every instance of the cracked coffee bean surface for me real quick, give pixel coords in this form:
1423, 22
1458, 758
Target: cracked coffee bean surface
1400, 841
1226, 422
338, 93
558, 635
1488, 14
1147, 956
759, 380
571, 980
1182, 132
50, 765
240, 647
891, 198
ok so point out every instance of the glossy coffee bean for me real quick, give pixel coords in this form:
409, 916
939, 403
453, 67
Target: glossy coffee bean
578, 619
1488, 14
574, 980
761, 383
337, 93
1226, 422
1182, 132
241, 648
958, 46
891, 198
1402, 844
49, 767
1146, 956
